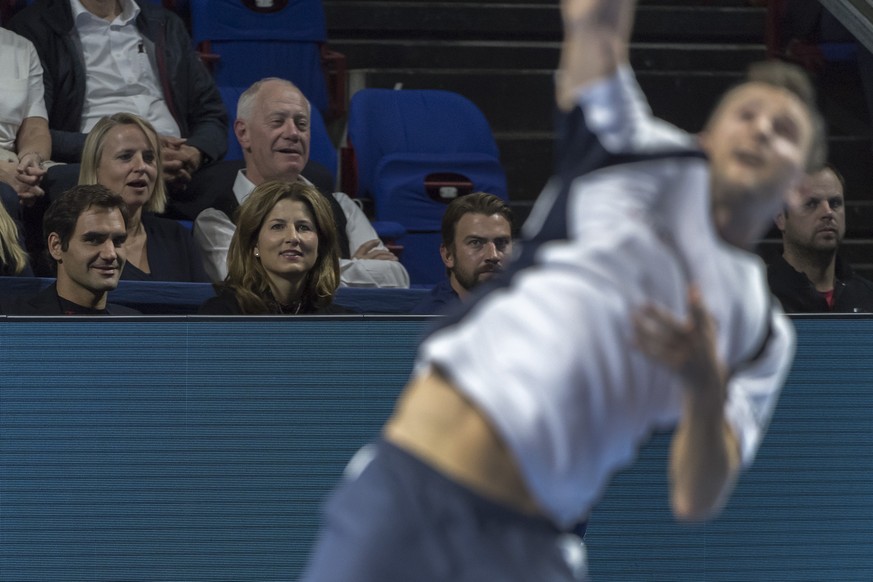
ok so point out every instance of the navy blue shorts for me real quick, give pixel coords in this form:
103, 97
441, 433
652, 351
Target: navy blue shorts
399, 520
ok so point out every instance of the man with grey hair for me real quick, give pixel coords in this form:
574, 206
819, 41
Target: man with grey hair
273, 128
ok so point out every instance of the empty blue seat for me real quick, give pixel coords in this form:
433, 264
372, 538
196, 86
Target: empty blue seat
253, 40
415, 151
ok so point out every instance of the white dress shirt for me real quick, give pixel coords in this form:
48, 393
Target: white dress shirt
21, 88
549, 358
120, 70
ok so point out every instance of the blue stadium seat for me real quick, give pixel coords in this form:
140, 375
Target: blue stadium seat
321, 148
415, 151
251, 42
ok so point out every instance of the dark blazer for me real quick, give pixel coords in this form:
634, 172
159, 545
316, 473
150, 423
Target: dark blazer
173, 256
47, 302
852, 293
225, 304
188, 88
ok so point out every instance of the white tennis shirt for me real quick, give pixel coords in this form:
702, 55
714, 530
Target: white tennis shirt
549, 357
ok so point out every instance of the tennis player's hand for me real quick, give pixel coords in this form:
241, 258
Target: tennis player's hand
596, 38
687, 347
595, 12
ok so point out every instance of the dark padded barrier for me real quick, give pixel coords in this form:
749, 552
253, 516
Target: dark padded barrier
199, 449
182, 450
167, 298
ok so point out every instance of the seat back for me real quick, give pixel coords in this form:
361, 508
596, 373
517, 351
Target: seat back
272, 38
415, 152
321, 148
385, 121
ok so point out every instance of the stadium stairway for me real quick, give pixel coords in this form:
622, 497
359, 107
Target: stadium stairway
501, 55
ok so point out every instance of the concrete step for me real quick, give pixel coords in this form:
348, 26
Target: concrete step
842, 99
859, 220
852, 156
527, 158
347, 19
523, 100
864, 270
429, 54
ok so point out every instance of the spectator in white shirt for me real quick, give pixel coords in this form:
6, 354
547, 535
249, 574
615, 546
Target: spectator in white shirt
25, 142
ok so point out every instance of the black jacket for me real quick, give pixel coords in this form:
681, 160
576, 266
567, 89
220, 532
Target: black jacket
172, 254
47, 302
225, 303
188, 88
852, 294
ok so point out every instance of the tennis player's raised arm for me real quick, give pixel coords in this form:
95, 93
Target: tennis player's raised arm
705, 454
596, 39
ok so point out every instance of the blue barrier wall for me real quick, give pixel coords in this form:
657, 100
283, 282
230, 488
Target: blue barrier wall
170, 298
200, 449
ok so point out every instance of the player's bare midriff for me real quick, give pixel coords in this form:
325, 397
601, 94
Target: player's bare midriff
440, 426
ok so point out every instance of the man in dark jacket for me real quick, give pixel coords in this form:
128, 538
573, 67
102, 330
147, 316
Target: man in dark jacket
477, 245
100, 55
85, 229
809, 277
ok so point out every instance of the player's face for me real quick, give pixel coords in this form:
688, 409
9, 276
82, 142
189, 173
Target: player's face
288, 241
95, 256
276, 137
482, 246
128, 165
816, 217
758, 141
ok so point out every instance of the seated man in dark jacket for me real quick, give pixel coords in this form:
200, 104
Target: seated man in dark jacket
809, 277
85, 229
151, 70
477, 244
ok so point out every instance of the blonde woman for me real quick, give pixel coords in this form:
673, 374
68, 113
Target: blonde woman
283, 258
122, 153
13, 258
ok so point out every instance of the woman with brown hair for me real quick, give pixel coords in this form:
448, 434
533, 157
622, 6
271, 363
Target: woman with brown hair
283, 258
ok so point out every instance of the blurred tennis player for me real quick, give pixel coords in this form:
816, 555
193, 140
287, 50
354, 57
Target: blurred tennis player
633, 306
